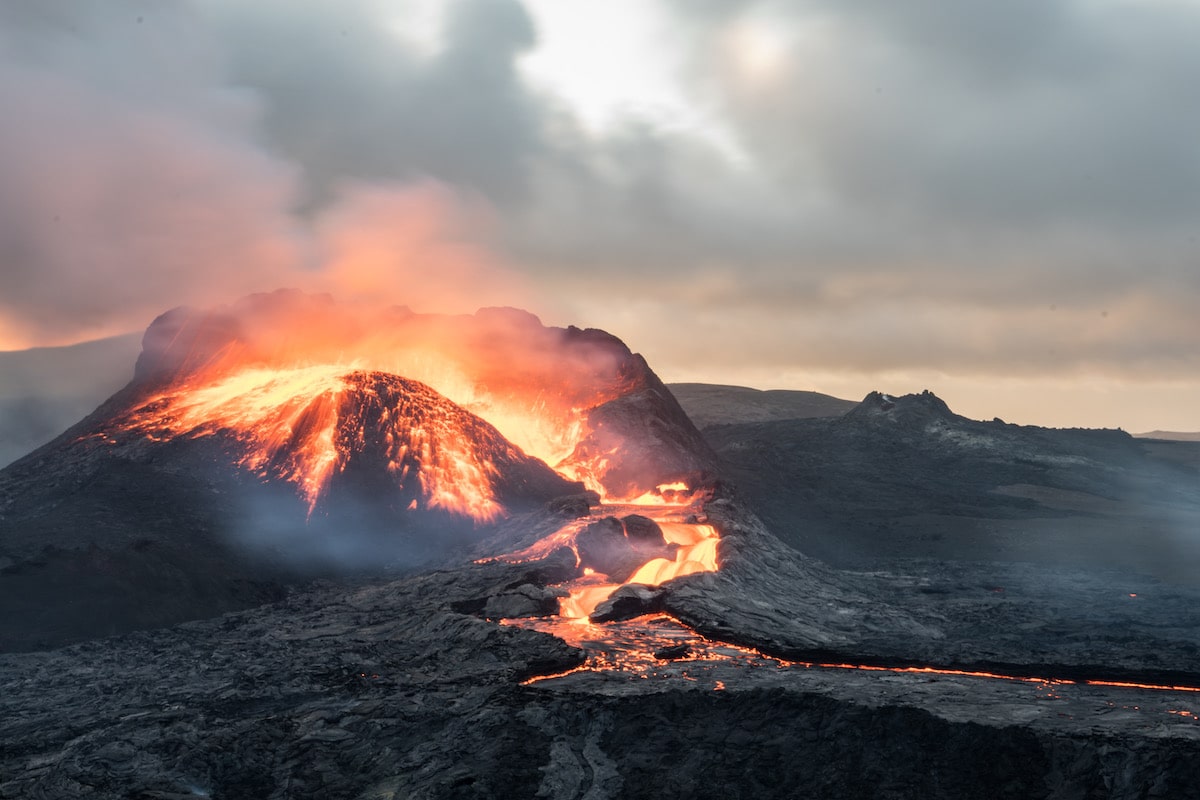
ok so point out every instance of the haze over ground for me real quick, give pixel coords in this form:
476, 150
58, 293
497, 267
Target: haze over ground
994, 202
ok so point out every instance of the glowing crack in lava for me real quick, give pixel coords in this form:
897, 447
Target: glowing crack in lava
657, 645
306, 424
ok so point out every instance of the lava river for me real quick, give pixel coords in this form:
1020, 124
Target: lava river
657, 647
652, 527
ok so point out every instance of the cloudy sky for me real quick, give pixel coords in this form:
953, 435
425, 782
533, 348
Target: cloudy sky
999, 201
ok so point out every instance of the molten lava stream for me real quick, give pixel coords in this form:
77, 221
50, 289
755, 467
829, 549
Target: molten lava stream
630, 646
697, 552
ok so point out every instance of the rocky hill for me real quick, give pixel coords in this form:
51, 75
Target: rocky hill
715, 404
905, 477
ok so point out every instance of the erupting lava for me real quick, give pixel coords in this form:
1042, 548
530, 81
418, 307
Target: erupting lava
454, 414
306, 387
306, 424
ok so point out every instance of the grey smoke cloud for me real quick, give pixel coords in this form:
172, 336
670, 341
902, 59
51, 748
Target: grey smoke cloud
141, 174
131, 169
1005, 188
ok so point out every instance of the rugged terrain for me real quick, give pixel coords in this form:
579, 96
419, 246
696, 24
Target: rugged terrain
902, 478
908, 603
386, 691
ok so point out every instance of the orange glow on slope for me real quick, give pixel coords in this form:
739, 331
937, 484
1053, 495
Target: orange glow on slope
695, 551
296, 424
584, 598
1154, 686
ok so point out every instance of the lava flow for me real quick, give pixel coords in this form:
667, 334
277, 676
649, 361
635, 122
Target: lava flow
647, 548
655, 644
696, 552
305, 424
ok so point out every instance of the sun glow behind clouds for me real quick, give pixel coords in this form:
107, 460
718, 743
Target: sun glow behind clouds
757, 49
619, 62
606, 61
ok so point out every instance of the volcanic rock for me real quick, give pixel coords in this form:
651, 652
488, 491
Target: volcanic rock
903, 477
656, 441
574, 506
673, 652
631, 600
710, 404
604, 546
116, 525
381, 690
642, 531
527, 600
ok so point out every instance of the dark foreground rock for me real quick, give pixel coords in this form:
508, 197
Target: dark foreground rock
628, 602
385, 692
401, 689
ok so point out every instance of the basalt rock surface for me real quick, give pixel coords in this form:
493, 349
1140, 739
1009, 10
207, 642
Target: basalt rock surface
386, 691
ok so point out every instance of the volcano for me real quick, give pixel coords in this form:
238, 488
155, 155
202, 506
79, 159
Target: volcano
578, 399
286, 436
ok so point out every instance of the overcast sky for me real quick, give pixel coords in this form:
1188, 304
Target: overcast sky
999, 201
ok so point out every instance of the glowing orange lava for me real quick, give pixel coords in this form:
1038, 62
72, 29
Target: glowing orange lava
697, 553
274, 361
298, 424
1157, 687
695, 547
626, 648
280, 375
675, 493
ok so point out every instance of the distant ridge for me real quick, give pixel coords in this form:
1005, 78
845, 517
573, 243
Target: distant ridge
718, 404
1172, 436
